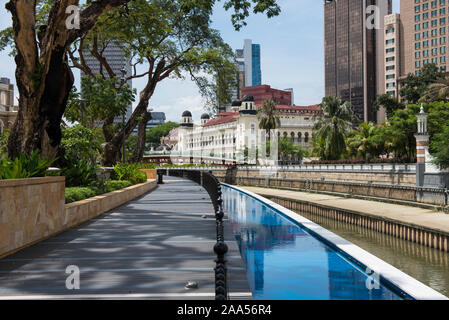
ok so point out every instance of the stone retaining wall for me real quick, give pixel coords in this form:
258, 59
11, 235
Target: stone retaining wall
34, 209
398, 178
432, 196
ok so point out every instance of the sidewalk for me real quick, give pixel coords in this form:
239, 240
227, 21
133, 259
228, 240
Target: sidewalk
148, 248
403, 214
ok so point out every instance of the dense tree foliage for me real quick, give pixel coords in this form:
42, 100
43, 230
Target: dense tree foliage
332, 128
388, 102
155, 134
415, 86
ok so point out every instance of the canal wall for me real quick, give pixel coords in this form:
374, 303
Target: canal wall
392, 174
400, 193
396, 224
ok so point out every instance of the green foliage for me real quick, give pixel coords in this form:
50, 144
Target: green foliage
416, 85
73, 194
367, 141
401, 133
155, 134
437, 91
440, 143
129, 172
25, 166
81, 143
79, 173
388, 102
4, 136
101, 99
268, 118
78, 193
289, 151
332, 128
146, 166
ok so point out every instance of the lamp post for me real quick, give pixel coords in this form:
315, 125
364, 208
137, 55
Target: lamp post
122, 82
422, 146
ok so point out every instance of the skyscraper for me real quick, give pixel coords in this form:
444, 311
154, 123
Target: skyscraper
354, 59
424, 25
117, 60
249, 72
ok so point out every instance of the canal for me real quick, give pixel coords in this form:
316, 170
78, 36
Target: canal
430, 266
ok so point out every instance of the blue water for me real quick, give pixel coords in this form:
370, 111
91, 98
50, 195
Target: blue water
284, 261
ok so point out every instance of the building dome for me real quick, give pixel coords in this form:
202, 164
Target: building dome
187, 113
248, 98
205, 116
236, 103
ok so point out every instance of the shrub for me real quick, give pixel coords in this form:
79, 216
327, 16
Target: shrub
129, 172
113, 185
25, 166
78, 193
79, 173
73, 194
146, 166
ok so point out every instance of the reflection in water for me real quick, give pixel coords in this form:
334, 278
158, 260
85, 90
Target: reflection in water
425, 264
284, 261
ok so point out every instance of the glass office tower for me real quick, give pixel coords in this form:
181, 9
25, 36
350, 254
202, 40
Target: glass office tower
354, 67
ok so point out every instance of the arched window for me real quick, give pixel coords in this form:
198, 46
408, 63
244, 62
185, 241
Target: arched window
1, 126
292, 136
306, 138
285, 134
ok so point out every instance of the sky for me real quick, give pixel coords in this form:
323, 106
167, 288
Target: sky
292, 56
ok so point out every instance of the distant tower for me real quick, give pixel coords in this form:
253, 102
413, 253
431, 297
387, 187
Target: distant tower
422, 146
205, 118
186, 119
248, 106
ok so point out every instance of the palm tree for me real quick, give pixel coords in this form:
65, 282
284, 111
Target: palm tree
333, 126
268, 119
363, 141
437, 91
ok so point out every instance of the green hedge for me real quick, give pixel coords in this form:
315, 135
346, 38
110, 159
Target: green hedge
80, 193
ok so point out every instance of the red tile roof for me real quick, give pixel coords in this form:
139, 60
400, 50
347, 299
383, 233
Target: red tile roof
224, 117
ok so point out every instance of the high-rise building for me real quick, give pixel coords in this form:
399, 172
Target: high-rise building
248, 67
354, 59
116, 58
392, 53
424, 25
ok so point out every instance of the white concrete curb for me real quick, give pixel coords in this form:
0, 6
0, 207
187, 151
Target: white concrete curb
396, 277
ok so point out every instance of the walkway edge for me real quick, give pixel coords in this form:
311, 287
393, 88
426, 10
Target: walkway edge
394, 276
76, 213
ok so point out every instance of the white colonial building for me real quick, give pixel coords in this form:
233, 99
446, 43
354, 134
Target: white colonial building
229, 133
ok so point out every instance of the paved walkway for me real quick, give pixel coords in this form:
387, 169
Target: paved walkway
410, 215
148, 248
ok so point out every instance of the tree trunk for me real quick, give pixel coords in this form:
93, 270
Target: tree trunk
141, 138
43, 77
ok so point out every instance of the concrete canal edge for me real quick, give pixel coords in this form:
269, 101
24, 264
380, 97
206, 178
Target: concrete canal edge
393, 276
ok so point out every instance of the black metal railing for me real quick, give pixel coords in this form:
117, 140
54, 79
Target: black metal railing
213, 188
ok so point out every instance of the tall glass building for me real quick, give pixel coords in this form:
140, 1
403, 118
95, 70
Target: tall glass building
353, 52
249, 71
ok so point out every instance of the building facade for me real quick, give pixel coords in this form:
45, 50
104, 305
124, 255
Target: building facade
425, 26
228, 133
249, 72
354, 65
116, 58
392, 54
8, 112
264, 92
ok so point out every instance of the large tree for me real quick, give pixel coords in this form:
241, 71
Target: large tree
415, 86
43, 76
333, 126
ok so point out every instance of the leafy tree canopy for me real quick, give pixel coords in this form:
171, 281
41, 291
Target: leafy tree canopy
416, 85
